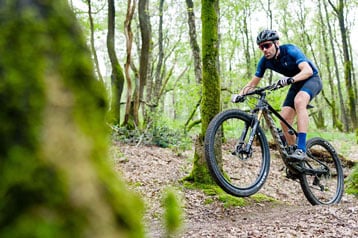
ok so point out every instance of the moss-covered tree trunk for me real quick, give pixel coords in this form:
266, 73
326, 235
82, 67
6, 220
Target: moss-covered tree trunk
117, 76
210, 104
55, 177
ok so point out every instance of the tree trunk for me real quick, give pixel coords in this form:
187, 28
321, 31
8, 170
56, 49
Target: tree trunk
129, 119
336, 70
193, 41
158, 75
331, 103
93, 48
55, 176
145, 53
117, 77
195, 49
246, 42
155, 84
339, 10
269, 13
210, 104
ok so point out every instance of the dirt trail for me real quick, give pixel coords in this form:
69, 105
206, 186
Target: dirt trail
152, 169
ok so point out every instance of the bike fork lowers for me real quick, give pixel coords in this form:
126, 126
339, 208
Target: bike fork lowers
254, 124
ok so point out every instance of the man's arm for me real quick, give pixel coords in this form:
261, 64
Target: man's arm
250, 85
305, 73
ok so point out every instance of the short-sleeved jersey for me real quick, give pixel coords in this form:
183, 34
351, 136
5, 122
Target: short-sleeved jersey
287, 62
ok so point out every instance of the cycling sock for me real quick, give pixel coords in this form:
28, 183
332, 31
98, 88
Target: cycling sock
301, 141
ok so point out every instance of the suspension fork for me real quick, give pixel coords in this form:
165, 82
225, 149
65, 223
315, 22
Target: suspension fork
254, 124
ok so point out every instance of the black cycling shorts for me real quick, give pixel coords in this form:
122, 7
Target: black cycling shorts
312, 86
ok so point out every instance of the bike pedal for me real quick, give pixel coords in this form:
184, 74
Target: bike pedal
315, 181
291, 175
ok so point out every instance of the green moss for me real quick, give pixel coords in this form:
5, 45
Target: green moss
230, 201
200, 172
210, 104
173, 215
352, 182
259, 197
215, 193
55, 176
208, 201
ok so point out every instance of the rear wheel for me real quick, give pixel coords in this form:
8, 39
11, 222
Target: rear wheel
323, 181
235, 169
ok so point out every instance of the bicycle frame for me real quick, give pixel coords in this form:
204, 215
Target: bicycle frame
240, 166
264, 109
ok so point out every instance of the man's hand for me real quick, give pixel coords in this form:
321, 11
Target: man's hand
285, 81
237, 98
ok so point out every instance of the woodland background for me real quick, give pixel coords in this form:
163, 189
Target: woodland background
149, 53
167, 68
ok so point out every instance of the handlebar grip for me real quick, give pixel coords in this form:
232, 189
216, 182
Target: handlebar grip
237, 98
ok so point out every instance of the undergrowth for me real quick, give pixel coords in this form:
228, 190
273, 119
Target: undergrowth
161, 136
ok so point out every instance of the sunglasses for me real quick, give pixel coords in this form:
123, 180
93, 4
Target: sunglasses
266, 46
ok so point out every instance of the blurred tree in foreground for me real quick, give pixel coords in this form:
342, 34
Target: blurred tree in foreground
55, 177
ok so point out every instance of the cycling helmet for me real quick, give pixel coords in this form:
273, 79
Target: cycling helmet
267, 35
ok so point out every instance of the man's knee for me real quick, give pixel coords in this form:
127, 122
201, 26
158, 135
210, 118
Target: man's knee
288, 113
301, 100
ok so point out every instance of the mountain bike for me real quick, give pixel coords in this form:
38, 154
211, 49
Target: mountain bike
238, 154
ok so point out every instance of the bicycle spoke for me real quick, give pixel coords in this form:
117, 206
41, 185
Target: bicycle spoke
322, 181
238, 168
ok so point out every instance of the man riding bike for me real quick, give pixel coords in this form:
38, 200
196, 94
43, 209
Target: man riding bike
300, 73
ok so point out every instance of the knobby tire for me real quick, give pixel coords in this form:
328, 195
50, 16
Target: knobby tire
327, 188
242, 174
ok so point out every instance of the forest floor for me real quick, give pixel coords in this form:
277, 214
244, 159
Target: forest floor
150, 170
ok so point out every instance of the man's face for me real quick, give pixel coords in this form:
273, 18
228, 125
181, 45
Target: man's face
268, 49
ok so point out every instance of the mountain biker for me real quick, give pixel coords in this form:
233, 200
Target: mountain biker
300, 73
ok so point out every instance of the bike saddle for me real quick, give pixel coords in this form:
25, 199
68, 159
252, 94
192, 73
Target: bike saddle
309, 106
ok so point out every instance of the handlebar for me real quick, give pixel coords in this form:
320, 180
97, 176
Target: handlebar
259, 91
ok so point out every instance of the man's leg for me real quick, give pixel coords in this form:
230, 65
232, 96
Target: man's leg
301, 101
288, 113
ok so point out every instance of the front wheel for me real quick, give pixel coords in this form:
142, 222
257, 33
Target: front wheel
323, 181
237, 169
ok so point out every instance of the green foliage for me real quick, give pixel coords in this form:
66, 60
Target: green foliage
165, 137
173, 214
332, 135
342, 141
161, 136
352, 182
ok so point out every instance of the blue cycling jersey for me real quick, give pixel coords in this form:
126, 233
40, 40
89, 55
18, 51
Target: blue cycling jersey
287, 62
